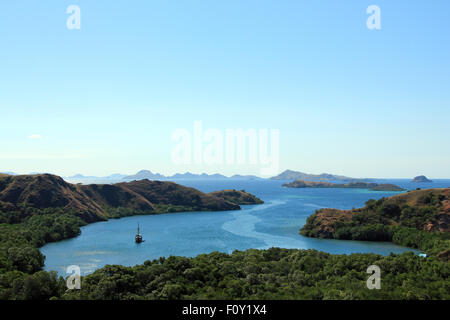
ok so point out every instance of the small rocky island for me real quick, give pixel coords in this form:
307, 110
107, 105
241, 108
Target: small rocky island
350, 185
420, 179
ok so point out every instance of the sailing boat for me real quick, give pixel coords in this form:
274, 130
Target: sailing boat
138, 237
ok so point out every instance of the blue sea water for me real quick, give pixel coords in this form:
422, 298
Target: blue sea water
273, 224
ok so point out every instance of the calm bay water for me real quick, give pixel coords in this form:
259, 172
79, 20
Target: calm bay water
273, 224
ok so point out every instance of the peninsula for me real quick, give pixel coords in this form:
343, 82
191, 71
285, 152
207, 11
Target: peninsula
418, 219
350, 185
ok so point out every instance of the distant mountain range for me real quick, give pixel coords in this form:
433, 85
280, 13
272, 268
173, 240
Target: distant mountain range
288, 175
115, 176
147, 174
296, 175
144, 174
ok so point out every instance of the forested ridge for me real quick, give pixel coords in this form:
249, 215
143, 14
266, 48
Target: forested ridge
253, 274
270, 274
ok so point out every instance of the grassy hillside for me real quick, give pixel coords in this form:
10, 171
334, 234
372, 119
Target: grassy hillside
418, 219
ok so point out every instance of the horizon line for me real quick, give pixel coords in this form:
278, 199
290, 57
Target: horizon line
211, 174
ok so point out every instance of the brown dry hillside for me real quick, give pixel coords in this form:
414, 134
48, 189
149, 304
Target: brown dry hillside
441, 222
44, 191
47, 191
170, 193
323, 221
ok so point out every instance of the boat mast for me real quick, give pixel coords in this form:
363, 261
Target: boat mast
138, 229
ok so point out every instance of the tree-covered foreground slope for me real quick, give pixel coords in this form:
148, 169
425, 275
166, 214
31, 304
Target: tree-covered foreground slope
253, 274
417, 219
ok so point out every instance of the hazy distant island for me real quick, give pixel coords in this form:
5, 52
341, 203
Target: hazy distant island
296, 175
352, 185
421, 179
418, 219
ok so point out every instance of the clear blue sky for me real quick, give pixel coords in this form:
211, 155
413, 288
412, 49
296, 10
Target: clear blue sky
106, 98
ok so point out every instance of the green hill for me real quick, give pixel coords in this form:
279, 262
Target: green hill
418, 219
21, 195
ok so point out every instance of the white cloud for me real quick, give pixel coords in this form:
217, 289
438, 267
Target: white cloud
35, 136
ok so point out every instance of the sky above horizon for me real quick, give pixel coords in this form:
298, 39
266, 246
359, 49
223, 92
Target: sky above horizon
108, 97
